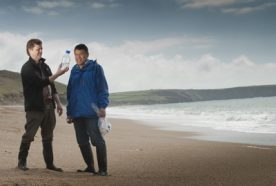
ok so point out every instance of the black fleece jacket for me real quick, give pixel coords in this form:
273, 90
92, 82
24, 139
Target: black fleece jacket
33, 83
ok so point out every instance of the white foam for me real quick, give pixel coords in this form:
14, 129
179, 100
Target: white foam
256, 147
255, 115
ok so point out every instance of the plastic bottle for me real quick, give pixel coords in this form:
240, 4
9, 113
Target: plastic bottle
65, 62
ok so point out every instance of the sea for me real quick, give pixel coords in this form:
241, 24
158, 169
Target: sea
250, 121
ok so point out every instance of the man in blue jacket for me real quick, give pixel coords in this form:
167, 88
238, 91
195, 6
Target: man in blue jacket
87, 86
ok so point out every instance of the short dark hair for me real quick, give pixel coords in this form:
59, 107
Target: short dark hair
81, 47
31, 43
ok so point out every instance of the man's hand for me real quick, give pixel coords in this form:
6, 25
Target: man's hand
59, 109
58, 73
101, 113
61, 70
69, 120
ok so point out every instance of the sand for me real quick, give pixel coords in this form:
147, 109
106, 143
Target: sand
137, 155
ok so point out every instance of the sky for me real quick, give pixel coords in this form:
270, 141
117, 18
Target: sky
149, 44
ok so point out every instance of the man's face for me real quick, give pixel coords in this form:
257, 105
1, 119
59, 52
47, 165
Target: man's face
80, 56
35, 52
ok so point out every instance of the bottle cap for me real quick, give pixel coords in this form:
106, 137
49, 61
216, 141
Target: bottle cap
67, 51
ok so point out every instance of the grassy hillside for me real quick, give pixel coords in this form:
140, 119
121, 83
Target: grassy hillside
11, 88
11, 93
149, 97
177, 96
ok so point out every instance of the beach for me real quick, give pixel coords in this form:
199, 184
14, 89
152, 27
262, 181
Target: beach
137, 155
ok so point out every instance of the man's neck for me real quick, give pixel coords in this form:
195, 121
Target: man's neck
37, 61
83, 64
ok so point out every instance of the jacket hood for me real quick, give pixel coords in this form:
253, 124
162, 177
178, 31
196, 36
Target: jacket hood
88, 65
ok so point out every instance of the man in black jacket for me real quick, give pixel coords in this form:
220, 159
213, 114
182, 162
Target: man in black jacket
40, 96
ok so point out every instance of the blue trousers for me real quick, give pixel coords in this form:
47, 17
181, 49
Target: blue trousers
87, 130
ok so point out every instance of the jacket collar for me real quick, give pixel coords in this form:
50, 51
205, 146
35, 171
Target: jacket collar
86, 64
41, 61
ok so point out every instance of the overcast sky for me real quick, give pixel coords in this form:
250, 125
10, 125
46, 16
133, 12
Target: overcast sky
150, 44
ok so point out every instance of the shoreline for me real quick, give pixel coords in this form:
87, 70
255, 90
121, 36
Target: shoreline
210, 134
200, 133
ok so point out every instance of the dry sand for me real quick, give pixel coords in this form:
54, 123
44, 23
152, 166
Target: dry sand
137, 155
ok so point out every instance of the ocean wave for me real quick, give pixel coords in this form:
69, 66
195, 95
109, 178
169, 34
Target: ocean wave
250, 115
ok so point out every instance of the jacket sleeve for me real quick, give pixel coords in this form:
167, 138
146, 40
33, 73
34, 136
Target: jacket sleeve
53, 86
102, 88
68, 96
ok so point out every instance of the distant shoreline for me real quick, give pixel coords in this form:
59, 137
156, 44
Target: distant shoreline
209, 134
201, 133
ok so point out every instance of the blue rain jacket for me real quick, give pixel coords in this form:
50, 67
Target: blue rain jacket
86, 86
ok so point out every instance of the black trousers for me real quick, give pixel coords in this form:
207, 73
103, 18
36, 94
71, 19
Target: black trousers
45, 120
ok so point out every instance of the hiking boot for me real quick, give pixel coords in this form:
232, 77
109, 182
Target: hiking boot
49, 157
22, 156
102, 173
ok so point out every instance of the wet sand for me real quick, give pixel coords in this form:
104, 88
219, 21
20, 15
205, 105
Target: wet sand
137, 155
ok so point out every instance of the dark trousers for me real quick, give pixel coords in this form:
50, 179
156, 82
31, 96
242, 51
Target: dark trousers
45, 120
87, 130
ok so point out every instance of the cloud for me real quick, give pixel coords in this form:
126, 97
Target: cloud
145, 47
12, 50
33, 10
50, 7
134, 71
148, 67
54, 4
243, 61
227, 6
207, 62
99, 4
54, 7
195, 4
246, 10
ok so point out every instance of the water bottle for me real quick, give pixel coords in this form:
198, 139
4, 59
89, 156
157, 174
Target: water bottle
65, 59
